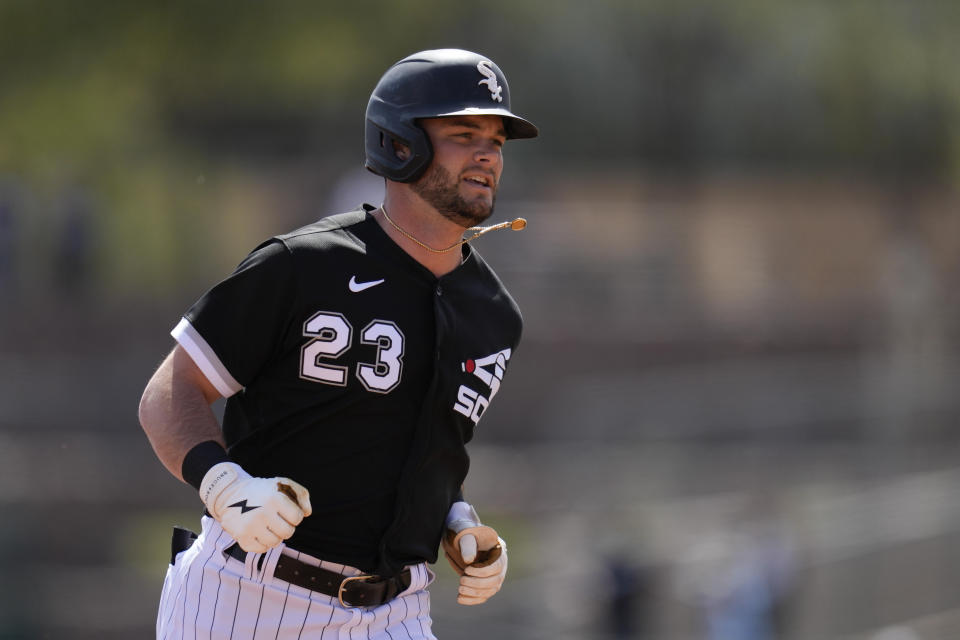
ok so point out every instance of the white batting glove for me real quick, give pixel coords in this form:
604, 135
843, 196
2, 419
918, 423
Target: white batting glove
476, 553
258, 513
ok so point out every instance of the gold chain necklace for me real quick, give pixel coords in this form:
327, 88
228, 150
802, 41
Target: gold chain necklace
516, 225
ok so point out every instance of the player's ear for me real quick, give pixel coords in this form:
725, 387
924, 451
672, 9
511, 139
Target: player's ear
402, 151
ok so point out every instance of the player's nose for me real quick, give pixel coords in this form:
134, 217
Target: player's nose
487, 153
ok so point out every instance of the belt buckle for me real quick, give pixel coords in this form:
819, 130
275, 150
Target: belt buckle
343, 586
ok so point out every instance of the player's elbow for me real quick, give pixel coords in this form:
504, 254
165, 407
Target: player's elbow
156, 396
146, 411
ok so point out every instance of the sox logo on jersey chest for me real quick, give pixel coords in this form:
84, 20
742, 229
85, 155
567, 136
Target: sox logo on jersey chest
489, 370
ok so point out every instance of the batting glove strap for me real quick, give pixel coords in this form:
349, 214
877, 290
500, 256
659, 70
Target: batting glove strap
215, 482
258, 513
461, 516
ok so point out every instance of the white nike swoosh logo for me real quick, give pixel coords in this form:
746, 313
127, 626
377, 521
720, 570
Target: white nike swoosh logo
357, 287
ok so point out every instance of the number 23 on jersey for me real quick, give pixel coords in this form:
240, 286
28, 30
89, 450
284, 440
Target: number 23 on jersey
332, 337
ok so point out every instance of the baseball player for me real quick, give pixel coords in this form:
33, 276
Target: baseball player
357, 355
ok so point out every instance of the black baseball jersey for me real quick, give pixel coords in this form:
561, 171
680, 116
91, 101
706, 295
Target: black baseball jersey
350, 368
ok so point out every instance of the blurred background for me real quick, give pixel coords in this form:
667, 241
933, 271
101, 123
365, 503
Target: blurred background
734, 413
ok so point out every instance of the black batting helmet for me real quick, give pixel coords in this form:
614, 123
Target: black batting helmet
432, 84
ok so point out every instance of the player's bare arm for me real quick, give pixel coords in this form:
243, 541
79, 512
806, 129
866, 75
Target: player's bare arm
175, 413
175, 410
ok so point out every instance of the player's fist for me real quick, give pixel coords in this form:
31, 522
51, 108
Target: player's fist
258, 513
476, 553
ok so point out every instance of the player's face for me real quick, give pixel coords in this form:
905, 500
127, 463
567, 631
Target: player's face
461, 181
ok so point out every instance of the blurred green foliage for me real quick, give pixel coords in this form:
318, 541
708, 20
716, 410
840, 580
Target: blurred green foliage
150, 105
743, 81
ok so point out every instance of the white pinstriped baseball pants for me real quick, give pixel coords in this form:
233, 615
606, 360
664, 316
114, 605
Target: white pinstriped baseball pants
208, 595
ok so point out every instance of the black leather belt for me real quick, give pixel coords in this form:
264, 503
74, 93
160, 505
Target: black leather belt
350, 591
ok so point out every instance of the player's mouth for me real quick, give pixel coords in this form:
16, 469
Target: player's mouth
479, 180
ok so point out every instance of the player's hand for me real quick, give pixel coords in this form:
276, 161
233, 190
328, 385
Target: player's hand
484, 575
259, 513
476, 553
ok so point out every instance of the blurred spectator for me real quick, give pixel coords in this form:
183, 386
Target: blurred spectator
630, 589
746, 598
742, 574
74, 250
8, 248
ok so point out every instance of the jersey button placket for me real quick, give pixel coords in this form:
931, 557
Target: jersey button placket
439, 292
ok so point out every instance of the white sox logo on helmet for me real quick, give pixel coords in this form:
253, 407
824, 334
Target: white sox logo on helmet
490, 370
490, 79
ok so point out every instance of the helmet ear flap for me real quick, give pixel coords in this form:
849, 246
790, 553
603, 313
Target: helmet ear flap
383, 158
